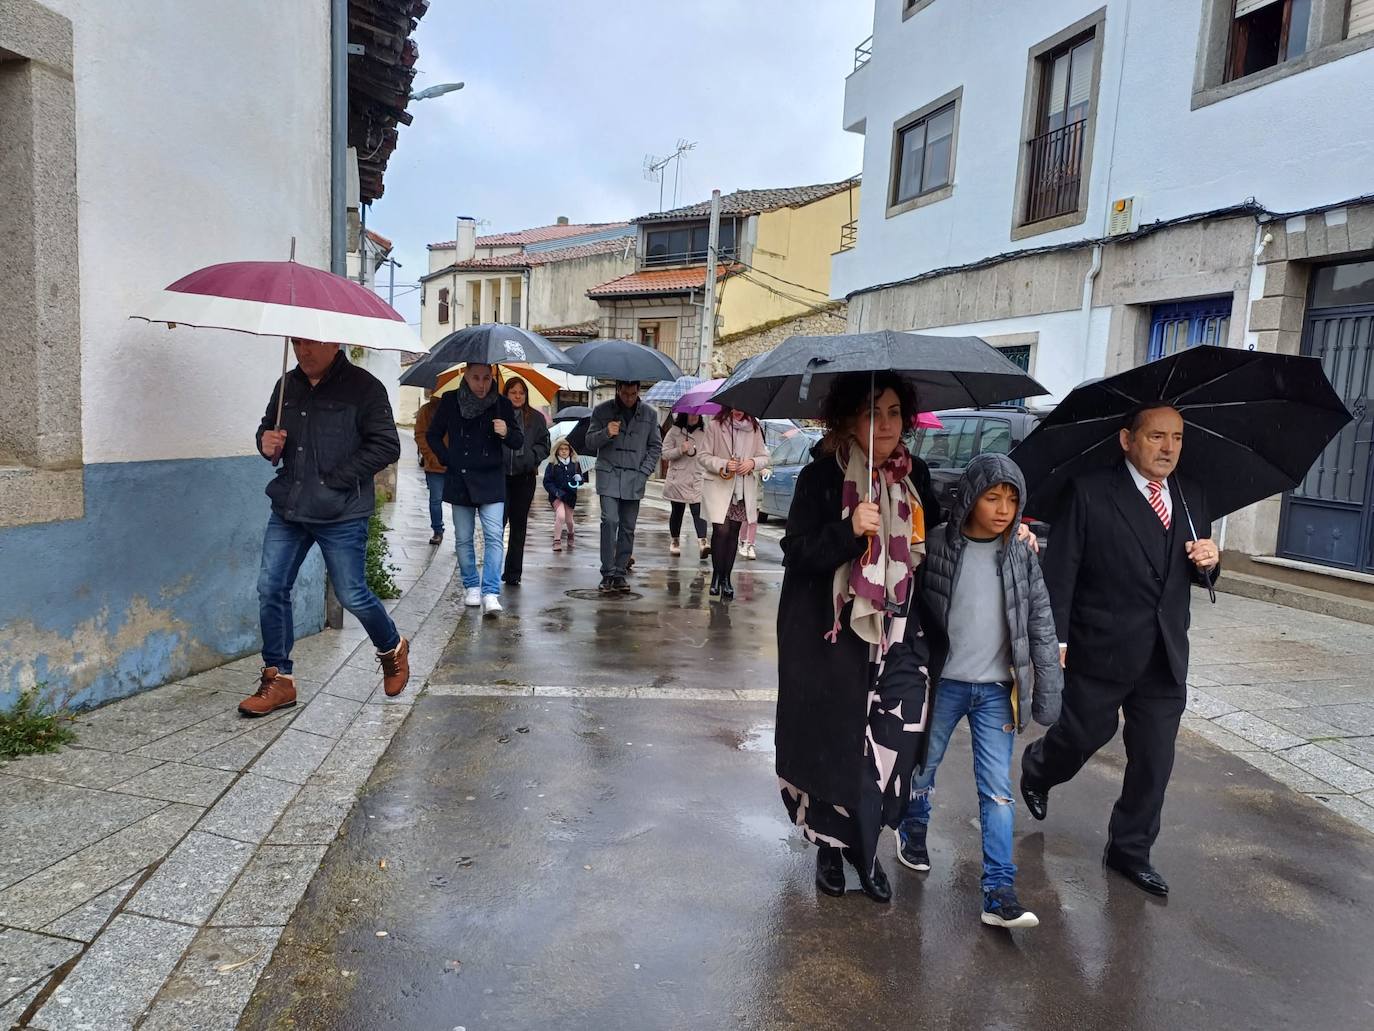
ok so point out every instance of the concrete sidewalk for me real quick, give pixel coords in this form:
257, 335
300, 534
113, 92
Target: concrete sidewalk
147, 871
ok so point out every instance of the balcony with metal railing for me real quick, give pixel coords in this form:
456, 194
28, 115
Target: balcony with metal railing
1055, 166
849, 235
863, 53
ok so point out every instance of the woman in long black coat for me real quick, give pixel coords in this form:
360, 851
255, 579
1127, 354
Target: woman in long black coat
852, 684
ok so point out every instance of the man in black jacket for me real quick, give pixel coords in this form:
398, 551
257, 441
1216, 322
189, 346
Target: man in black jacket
336, 433
1121, 562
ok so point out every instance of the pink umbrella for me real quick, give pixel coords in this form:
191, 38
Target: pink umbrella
286, 299
697, 401
929, 421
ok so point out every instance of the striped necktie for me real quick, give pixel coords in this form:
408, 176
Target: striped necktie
1157, 502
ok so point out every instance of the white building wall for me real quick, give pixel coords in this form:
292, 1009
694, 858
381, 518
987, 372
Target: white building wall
176, 128
1296, 143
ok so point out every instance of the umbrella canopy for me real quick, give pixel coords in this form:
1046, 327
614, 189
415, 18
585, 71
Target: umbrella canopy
619, 360
697, 401
489, 344
929, 421
949, 372
572, 412
541, 388
577, 436
282, 298
1253, 424
668, 392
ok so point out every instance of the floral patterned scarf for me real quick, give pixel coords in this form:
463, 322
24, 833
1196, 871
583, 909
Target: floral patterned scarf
879, 582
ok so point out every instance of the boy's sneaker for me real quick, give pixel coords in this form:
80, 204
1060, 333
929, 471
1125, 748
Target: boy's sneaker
491, 605
472, 597
1000, 909
911, 850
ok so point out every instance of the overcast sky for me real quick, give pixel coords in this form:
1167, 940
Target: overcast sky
565, 98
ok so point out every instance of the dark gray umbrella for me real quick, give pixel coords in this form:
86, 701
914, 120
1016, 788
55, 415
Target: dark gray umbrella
618, 360
572, 412
489, 344
793, 379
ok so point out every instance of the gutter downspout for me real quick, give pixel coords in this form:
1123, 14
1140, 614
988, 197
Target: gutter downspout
338, 197
1096, 266
338, 137
1087, 311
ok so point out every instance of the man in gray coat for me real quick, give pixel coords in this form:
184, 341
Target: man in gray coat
623, 433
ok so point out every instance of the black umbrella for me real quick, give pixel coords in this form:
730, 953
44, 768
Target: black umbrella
572, 412
577, 436
618, 360
489, 344
1253, 425
793, 379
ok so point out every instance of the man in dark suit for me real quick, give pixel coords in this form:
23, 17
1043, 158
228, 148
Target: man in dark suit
1121, 561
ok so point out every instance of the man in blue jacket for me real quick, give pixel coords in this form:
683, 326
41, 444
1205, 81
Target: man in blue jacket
478, 423
337, 432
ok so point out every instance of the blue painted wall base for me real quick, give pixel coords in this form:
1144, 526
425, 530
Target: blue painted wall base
158, 581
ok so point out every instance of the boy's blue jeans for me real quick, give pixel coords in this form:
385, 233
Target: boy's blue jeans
465, 519
435, 483
988, 708
344, 547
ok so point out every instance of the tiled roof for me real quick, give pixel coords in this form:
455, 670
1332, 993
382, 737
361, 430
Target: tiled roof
539, 234
380, 240
752, 202
577, 329
533, 259
659, 281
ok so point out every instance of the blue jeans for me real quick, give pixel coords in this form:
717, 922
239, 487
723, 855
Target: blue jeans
493, 545
435, 482
988, 708
344, 547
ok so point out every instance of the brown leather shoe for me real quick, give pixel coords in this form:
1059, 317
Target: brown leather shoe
395, 668
275, 691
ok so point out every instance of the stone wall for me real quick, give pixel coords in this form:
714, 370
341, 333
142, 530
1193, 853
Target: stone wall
731, 350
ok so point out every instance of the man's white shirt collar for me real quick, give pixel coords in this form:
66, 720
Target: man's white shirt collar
1142, 484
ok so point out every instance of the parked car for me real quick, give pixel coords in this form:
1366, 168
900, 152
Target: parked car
968, 432
786, 459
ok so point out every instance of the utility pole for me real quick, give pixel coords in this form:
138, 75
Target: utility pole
708, 319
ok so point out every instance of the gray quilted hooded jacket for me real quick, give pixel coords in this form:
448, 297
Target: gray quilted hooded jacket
1034, 643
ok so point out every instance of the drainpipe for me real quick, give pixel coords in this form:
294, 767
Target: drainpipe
1088, 281
338, 137
338, 196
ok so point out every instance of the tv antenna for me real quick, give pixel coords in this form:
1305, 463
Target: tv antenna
654, 168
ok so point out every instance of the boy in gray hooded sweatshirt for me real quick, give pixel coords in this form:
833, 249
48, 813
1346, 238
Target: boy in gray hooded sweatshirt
994, 649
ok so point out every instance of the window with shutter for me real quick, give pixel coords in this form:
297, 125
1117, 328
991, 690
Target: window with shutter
1265, 33
443, 307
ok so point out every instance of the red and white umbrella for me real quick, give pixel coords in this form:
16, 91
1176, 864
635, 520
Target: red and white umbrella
286, 299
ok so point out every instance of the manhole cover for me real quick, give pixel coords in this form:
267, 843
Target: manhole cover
592, 594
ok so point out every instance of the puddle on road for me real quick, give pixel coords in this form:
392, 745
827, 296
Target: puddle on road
758, 738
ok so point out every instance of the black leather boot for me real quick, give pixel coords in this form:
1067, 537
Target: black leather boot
876, 887
829, 870
715, 585
727, 589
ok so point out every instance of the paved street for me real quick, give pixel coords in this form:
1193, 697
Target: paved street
578, 827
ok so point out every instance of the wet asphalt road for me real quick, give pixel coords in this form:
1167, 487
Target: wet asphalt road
619, 858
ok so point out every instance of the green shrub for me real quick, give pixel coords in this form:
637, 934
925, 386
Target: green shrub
379, 569
26, 729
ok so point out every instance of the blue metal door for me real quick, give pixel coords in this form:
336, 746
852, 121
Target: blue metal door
1184, 324
1329, 518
